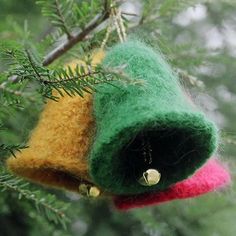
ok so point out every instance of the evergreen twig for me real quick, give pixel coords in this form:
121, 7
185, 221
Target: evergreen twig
72, 81
58, 13
3, 87
11, 148
62, 20
78, 37
47, 204
73, 39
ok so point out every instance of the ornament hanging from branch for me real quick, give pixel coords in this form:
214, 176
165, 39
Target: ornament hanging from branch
125, 140
136, 123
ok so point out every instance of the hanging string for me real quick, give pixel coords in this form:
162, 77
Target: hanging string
115, 20
146, 149
108, 32
121, 24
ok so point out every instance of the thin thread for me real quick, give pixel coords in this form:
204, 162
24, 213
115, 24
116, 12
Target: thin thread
121, 24
105, 40
118, 29
116, 20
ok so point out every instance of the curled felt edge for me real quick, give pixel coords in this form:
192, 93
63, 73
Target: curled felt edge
213, 175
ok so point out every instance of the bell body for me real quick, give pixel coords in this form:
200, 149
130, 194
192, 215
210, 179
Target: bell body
212, 176
147, 126
59, 145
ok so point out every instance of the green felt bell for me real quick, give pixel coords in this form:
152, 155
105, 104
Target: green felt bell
148, 136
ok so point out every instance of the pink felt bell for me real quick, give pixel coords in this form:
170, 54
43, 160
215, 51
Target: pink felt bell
213, 175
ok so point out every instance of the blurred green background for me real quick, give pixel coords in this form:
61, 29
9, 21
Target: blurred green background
200, 40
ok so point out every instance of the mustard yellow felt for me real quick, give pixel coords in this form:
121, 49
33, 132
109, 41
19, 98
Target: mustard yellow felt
58, 146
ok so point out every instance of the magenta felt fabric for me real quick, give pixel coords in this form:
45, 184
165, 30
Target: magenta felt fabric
211, 176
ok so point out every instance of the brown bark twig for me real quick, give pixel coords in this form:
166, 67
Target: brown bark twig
80, 36
72, 40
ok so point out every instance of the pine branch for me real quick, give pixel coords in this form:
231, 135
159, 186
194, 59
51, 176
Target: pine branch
107, 5
13, 90
85, 78
62, 19
189, 78
26, 66
11, 148
4, 88
44, 203
73, 77
78, 37
56, 10
70, 81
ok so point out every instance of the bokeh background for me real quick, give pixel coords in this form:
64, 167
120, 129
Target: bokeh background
198, 38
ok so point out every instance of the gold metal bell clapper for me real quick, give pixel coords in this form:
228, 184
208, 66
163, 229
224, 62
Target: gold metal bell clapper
150, 177
89, 190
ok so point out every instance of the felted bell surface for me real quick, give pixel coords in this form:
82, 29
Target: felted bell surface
148, 126
212, 176
58, 146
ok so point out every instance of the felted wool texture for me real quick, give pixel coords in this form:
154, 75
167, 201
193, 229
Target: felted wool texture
210, 177
58, 146
181, 137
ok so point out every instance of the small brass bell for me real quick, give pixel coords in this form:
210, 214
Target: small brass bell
150, 177
94, 191
88, 190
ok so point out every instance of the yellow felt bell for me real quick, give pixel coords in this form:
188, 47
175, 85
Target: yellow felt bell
58, 146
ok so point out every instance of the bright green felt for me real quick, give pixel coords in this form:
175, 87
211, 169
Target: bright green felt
158, 110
